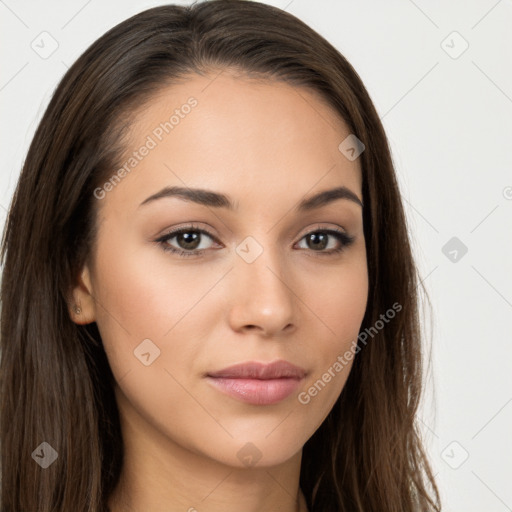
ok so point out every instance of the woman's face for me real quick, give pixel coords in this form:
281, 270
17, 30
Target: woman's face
261, 280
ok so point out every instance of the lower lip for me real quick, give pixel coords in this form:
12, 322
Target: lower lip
256, 391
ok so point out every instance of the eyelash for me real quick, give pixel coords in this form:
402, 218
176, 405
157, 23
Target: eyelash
341, 236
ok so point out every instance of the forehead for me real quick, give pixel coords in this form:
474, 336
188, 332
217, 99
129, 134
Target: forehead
230, 102
222, 130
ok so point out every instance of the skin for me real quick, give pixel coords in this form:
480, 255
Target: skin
267, 145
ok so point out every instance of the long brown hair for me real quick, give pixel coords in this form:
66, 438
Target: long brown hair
56, 383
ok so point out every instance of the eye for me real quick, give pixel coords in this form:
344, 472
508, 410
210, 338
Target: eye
189, 240
318, 241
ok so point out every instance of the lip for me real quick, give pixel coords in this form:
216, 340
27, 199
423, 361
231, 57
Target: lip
258, 383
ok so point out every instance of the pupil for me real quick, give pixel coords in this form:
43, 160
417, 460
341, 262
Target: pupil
188, 239
323, 240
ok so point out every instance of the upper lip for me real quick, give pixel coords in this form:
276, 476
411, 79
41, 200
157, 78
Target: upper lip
256, 370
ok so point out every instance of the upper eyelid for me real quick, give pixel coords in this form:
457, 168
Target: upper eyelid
174, 232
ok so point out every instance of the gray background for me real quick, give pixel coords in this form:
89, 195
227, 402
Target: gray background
447, 110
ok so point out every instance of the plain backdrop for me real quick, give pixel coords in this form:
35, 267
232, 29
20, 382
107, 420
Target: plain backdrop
440, 76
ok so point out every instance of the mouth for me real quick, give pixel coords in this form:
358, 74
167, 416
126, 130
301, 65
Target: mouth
258, 383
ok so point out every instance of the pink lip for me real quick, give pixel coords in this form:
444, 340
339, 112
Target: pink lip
258, 383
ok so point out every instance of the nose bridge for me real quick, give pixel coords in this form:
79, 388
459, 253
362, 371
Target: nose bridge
263, 291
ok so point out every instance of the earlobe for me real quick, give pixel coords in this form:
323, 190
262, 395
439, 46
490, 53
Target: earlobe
82, 306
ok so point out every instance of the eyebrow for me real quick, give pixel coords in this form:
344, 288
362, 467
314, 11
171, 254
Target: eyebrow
218, 200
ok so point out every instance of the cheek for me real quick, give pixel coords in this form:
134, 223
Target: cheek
340, 304
151, 317
339, 298
147, 295
143, 292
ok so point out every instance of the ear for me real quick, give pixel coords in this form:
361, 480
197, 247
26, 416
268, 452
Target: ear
83, 299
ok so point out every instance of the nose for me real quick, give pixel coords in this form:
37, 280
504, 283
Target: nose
262, 297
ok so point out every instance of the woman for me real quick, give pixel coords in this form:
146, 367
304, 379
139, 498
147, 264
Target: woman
209, 300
